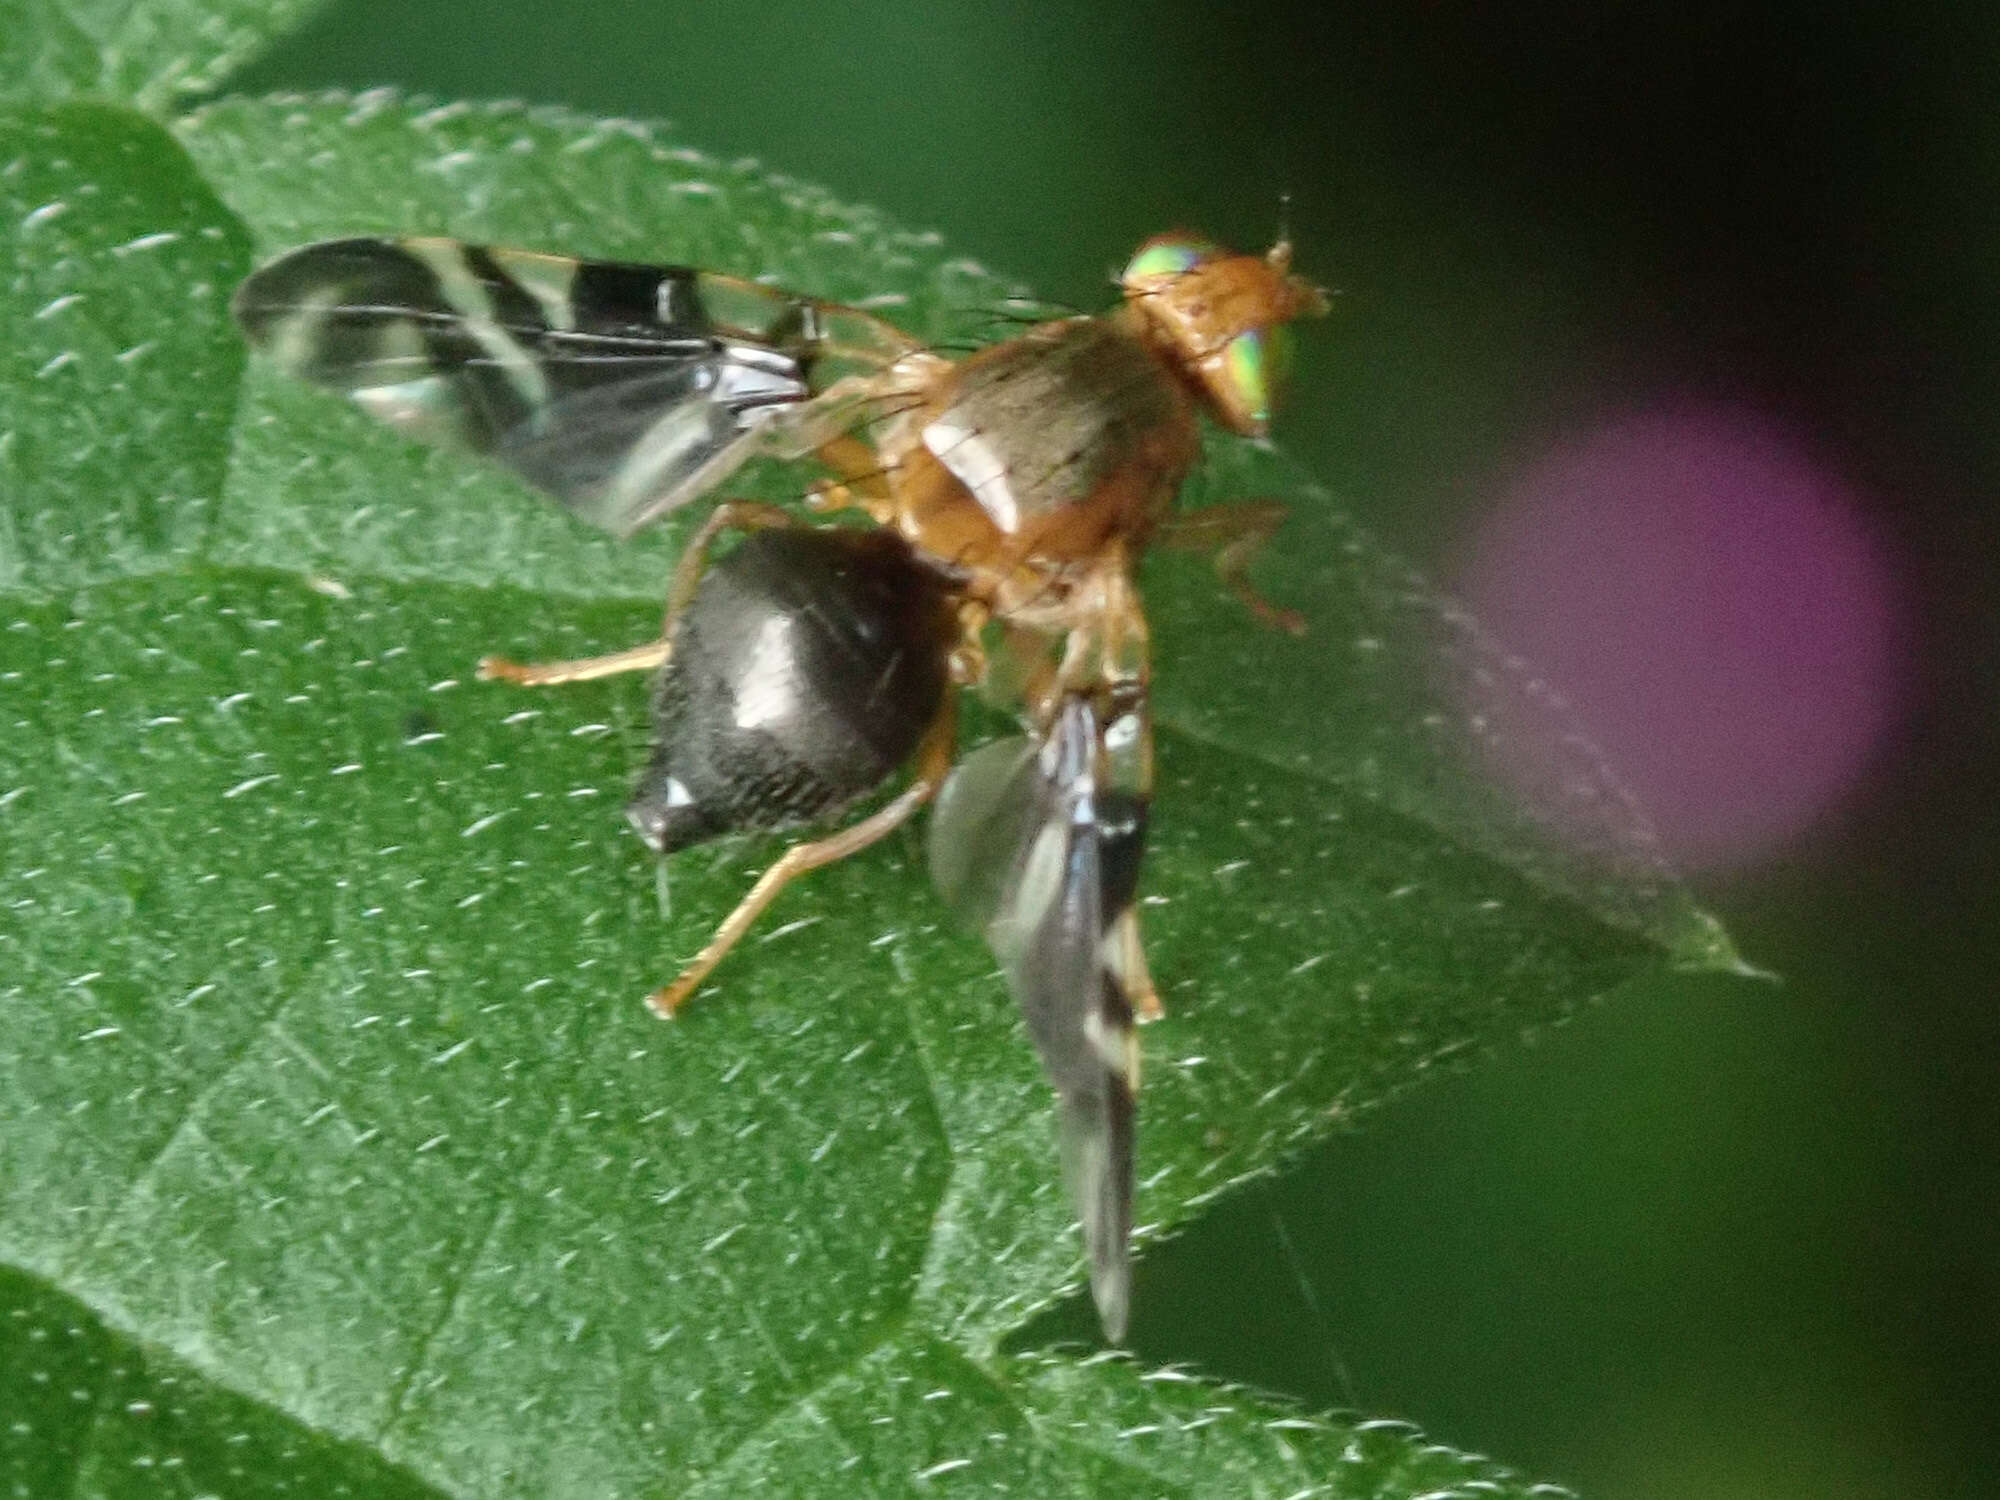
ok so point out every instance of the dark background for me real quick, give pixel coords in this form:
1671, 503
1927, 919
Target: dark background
1716, 1238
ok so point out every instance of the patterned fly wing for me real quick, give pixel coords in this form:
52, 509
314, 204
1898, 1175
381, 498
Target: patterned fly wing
622, 390
1027, 843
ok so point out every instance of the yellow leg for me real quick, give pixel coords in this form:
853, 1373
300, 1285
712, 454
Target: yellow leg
1233, 535
933, 762
857, 463
549, 673
1129, 963
863, 482
731, 515
738, 515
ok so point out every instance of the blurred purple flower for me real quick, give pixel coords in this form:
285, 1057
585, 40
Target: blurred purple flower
1714, 605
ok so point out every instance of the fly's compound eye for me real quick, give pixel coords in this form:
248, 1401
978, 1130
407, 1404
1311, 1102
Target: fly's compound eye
1167, 256
1254, 368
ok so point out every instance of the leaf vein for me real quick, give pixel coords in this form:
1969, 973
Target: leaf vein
806, 1398
457, 1278
184, 1122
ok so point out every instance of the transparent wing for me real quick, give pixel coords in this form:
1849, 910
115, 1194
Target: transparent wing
1397, 693
622, 390
1020, 845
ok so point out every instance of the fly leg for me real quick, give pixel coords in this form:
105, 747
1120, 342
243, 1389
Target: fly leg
578, 669
1125, 758
851, 402
825, 428
933, 761
863, 483
1126, 955
736, 515
731, 515
1232, 535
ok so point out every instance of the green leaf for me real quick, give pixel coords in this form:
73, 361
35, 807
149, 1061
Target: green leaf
146, 52
90, 1412
119, 370
324, 1087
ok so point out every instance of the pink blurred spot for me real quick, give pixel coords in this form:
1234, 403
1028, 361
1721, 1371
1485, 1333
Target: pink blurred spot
1713, 605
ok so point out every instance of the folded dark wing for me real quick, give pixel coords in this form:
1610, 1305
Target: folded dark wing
1019, 846
622, 390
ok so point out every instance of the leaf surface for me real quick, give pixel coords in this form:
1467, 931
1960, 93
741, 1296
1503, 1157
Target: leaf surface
144, 52
325, 1086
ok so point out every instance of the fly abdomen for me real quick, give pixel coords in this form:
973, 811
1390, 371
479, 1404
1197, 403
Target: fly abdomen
804, 671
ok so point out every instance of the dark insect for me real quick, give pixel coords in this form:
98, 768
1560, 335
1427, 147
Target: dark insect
1012, 494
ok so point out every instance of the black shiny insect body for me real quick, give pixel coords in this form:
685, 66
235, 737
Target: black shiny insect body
802, 675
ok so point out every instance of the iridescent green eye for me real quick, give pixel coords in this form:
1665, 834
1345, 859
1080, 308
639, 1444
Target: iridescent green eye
1172, 256
1255, 365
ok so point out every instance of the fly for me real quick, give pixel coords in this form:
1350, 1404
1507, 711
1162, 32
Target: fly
1012, 495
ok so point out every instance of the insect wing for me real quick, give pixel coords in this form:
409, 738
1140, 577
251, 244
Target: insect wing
1397, 694
1018, 846
622, 390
